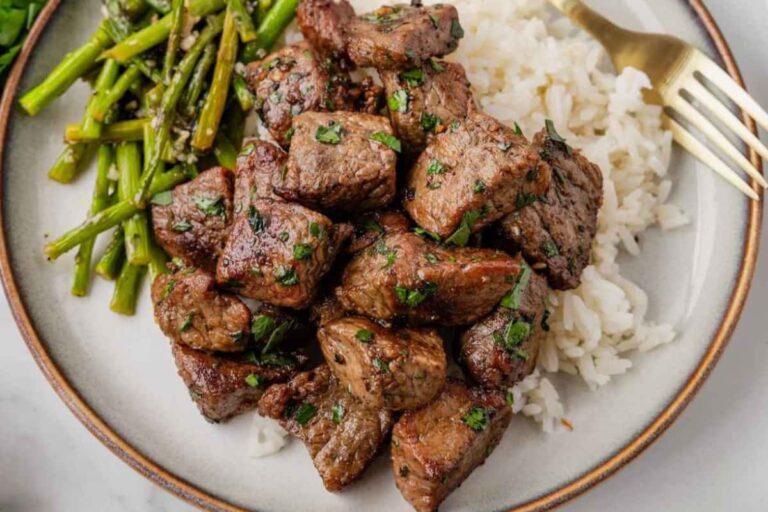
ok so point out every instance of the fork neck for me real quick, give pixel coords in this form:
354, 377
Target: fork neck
609, 34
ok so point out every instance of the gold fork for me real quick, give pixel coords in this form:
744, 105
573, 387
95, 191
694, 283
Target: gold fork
673, 67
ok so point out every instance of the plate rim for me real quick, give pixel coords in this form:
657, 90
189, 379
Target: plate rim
155, 472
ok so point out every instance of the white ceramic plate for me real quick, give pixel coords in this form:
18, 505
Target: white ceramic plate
118, 377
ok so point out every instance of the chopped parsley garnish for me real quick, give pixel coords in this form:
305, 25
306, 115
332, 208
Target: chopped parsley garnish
380, 365
436, 66
388, 140
288, 135
316, 230
398, 102
456, 29
186, 324
550, 249
283, 236
330, 134
427, 234
181, 226
431, 258
429, 122
556, 137
169, 288
512, 299
435, 168
304, 413
476, 418
372, 225
384, 15
461, 236
510, 398
262, 327
518, 130
253, 380
524, 199
515, 333
276, 337
391, 258
364, 335
413, 77
276, 360
162, 199
255, 219
479, 186
286, 276
302, 251
434, 21
211, 206
413, 298
337, 413
455, 125
237, 337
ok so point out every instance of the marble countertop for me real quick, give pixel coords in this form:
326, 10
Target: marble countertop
715, 457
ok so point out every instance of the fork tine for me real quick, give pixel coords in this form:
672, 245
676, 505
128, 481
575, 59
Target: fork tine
701, 94
700, 151
695, 117
723, 80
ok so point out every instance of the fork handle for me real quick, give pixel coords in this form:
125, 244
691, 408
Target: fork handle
609, 34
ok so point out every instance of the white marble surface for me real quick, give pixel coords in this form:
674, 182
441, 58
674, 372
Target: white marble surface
714, 458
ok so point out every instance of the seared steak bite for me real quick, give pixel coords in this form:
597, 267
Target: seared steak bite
293, 80
405, 275
192, 222
278, 252
325, 24
434, 449
191, 311
555, 233
425, 100
341, 433
402, 36
326, 309
258, 164
502, 349
338, 161
394, 369
373, 225
472, 175
224, 386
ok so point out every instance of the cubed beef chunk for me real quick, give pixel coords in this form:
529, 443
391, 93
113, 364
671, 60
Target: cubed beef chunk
402, 36
337, 163
325, 24
370, 227
472, 175
341, 433
294, 80
278, 252
193, 221
556, 232
502, 349
191, 311
395, 369
224, 386
257, 166
405, 275
426, 100
434, 449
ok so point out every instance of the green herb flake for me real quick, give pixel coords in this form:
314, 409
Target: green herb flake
372, 225
515, 333
255, 219
283, 236
391, 258
518, 130
253, 380
431, 258
510, 398
556, 137
513, 298
479, 186
316, 230
380, 365
337, 413
435, 168
302, 251
461, 236
427, 234
289, 133
262, 326
364, 335
169, 288
524, 199
210, 206
398, 102
436, 66
435, 22
181, 226
330, 134
550, 249
456, 29
304, 413
186, 324
414, 298
476, 418
286, 276
388, 140
455, 125
162, 199
276, 337
413, 77
429, 122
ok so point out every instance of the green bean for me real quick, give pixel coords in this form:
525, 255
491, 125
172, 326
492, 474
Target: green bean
123, 131
116, 92
113, 258
98, 203
225, 152
111, 217
210, 116
136, 228
242, 93
69, 163
197, 82
243, 21
126, 292
72, 67
174, 40
91, 128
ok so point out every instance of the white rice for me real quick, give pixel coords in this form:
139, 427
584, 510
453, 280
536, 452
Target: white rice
527, 64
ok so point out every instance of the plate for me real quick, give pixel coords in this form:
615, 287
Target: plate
117, 376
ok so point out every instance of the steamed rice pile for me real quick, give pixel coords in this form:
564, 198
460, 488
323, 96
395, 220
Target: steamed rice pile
527, 64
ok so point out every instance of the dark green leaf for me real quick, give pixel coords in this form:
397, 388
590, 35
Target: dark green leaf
255, 219
556, 137
181, 226
380, 365
524, 199
286, 276
304, 413
388, 140
550, 249
427, 234
461, 236
302, 251
435, 168
337, 413
262, 327
398, 102
429, 122
513, 298
364, 335
479, 187
253, 380
210, 206
186, 324
436, 66
518, 130
432, 258
476, 418
372, 225
414, 77
456, 29
330, 134
316, 230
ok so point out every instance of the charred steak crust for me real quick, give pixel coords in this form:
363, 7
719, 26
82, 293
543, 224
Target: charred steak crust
341, 433
194, 222
403, 275
395, 369
335, 163
555, 233
475, 173
258, 164
371, 226
425, 101
502, 349
325, 24
435, 448
224, 386
278, 252
191, 311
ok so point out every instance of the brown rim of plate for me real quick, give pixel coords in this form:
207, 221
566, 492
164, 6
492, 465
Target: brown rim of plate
549, 500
